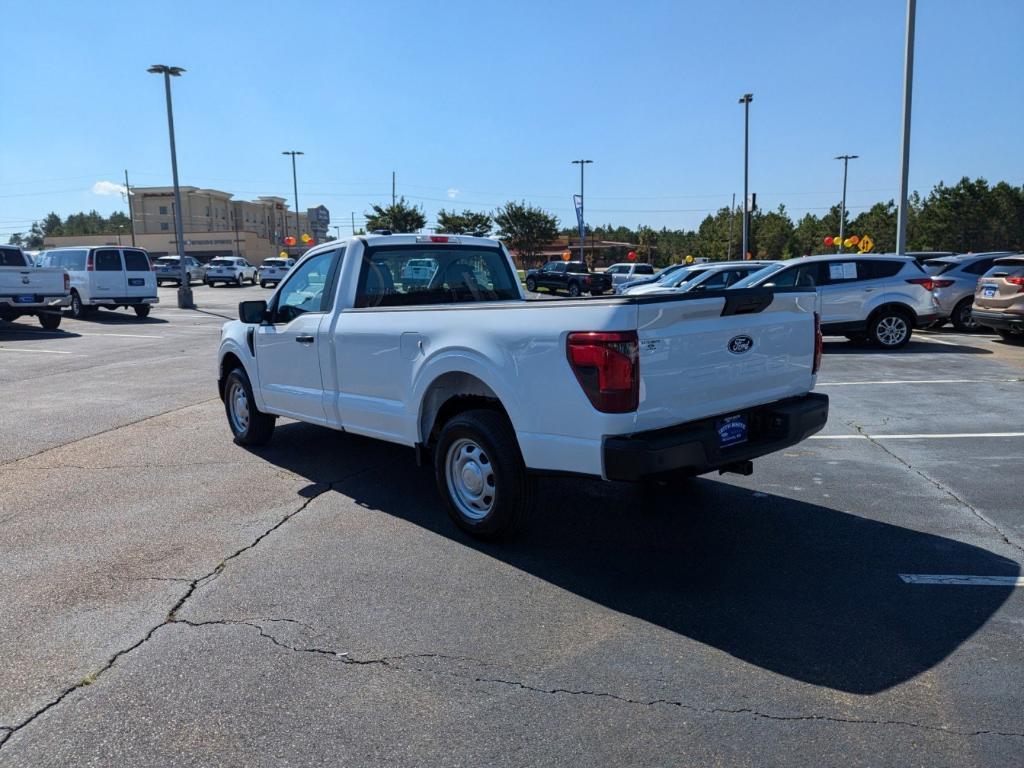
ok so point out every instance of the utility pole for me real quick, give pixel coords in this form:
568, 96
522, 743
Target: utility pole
184, 289
582, 222
295, 187
337, 231
908, 86
131, 214
842, 208
745, 100
353, 223
393, 200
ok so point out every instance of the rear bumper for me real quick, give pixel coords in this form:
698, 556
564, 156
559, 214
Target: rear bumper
41, 302
1000, 320
694, 447
923, 321
120, 301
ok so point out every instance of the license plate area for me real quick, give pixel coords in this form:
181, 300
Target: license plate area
989, 291
26, 298
732, 430
136, 281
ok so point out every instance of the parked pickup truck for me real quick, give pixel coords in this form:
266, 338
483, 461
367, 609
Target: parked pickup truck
29, 290
497, 388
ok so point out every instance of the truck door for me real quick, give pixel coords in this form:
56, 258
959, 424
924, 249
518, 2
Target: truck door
289, 347
108, 279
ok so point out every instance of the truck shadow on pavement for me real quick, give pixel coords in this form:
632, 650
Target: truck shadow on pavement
914, 347
802, 590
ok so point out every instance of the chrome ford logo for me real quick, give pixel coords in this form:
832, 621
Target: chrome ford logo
740, 344
25, 279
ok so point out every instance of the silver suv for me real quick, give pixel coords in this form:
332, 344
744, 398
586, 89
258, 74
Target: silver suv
956, 277
879, 298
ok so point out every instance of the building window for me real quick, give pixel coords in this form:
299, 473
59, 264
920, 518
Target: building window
163, 226
163, 210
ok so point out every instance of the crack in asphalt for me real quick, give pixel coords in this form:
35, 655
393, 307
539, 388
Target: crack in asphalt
194, 585
942, 487
389, 662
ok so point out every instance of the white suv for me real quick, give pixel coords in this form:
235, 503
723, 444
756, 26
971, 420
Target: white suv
879, 298
230, 270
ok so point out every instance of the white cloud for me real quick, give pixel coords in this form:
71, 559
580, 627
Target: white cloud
452, 193
107, 188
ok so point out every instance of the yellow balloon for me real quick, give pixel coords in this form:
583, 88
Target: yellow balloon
283, 254
689, 259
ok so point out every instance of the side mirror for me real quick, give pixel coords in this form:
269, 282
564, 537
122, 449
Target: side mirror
768, 285
252, 312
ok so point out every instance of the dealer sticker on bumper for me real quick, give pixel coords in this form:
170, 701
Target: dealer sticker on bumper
732, 430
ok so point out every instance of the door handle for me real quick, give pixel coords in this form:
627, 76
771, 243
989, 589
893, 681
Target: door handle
305, 339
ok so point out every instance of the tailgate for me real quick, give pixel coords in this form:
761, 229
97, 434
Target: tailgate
16, 281
721, 353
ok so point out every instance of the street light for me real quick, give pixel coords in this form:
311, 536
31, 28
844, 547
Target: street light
842, 209
295, 186
583, 226
908, 87
184, 289
745, 100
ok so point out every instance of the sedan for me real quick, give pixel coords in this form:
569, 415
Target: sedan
168, 270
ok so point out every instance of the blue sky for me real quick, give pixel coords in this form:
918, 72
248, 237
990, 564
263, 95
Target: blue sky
476, 103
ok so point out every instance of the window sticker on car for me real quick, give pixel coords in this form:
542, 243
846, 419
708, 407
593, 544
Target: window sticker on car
850, 270
835, 271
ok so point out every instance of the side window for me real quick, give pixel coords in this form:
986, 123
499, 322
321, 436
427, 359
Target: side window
644, 269
136, 261
800, 276
559, 268
715, 282
980, 267
107, 260
306, 288
840, 272
878, 269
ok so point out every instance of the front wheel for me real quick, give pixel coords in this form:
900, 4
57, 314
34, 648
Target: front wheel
78, 309
962, 319
50, 320
890, 329
249, 425
574, 289
531, 284
481, 476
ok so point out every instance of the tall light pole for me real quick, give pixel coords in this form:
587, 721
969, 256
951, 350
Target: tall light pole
337, 231
295, 187
908, 86
184, 289
842, 208
745, 100
583, 226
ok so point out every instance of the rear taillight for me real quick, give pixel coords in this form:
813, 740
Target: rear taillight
607, 366
930, 284
819, 344
1018, 281
67, 282
90, 265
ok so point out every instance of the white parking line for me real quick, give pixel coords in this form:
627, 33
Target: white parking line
938, 436
934, 340
915, 381
961, 580
40, 351
119, 335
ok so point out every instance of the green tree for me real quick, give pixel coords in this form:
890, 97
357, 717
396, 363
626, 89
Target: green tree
465, 223
956, 218
397, 217
879, 223
16, 239
525, 228
772, 234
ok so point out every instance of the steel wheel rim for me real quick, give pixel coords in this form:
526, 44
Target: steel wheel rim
238, 407
469, 474
892, 330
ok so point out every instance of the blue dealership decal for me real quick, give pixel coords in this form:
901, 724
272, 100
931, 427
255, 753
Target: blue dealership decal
732, 430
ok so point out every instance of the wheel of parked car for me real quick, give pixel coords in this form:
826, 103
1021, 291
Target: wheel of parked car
249, 425
141, 310
263, 283
961, 318
239, 280
78, 309
574, 289
50, 320
531, 284
481, 475
890, 329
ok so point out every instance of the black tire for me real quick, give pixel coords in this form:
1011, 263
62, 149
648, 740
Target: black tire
49, 320
141, 310
207, 283
487, 442
78, 309
1015, 336
531, 284
239, 281
263, 283
159, 283
890, 329
574, 290
256, 427
961, 316
8, 316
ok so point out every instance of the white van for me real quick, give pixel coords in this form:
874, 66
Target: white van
105, 276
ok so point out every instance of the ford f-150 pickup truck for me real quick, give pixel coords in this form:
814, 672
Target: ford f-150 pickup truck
29, 290
497, 388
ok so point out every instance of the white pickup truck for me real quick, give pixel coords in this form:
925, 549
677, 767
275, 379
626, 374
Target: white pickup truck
29, 290
498, 388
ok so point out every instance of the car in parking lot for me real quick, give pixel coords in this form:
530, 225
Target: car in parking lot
272, 271
419, 271
573, 277
956, 278
29, 290
999, 298
879, 298
168, 269
661, 274
230, 270
105, 276
628, 271
710, 276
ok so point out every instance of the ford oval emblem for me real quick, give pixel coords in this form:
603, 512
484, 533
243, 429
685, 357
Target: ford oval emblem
740, 344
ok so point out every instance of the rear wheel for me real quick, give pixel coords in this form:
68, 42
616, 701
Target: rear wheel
249, 425
890, 329
531, 284
50, 320
574, 289
239, 280
481, 475
263, 283
961, 318
78, 309
141, 310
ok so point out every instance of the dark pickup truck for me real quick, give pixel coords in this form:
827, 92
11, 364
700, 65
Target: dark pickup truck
573, 277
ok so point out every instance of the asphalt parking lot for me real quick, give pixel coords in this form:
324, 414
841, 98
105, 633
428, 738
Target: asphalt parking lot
173, 599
